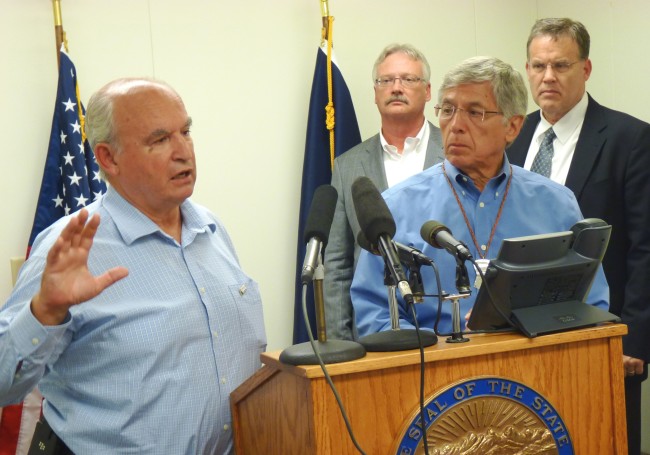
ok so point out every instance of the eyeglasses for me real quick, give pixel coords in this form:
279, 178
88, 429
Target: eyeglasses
475, 114
557, 67
407, 81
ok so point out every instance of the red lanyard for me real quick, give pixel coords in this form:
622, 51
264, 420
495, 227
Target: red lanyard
462, 210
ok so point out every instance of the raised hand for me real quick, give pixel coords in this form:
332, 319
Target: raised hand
66, 279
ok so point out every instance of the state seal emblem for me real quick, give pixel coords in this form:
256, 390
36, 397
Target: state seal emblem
486, 415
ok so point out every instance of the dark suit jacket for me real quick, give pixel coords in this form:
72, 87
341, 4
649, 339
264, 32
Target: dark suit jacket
342, 251
610, 176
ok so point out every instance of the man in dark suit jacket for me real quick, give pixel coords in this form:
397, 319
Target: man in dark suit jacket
406, 144
604, 157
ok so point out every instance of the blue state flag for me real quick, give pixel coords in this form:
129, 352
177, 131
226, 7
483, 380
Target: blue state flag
71, 176
317, 166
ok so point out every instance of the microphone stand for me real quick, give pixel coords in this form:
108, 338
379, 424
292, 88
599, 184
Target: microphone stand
330, 351
464, 291
396, 339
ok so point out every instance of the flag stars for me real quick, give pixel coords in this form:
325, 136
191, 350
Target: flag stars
81, 201
69, 105
68, 158
74, 179
63, 136
76, 128
58, 202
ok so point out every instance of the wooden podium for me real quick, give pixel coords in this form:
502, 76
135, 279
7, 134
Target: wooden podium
285, 410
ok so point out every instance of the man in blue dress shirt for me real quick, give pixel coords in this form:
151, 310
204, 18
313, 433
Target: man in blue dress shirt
138, 328
475, 192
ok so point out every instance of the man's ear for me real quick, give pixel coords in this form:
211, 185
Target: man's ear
514, 127
105, 156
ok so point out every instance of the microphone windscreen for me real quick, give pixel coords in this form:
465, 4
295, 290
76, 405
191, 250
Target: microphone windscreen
372, 212
430, 229
365, 244
321, 214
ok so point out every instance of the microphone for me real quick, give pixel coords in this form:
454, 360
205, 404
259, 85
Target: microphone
317, 228
407, 255
378, 226
438, 235
410, 255
316, 234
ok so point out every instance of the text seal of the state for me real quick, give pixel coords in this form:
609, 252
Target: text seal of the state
486, 415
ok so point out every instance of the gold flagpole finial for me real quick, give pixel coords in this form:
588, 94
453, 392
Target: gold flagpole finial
58, 27
325, 13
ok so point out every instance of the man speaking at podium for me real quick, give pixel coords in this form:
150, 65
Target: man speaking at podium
136, 329
475, 192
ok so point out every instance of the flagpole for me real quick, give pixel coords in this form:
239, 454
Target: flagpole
325, 12
58, 28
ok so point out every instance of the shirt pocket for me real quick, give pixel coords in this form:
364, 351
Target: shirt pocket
248, 302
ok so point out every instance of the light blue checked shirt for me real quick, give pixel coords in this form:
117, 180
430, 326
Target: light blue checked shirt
146, 367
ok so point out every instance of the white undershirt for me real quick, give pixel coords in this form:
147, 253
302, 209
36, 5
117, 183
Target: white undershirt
567, 130
411, 161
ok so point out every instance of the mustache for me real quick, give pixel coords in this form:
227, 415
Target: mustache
400, 98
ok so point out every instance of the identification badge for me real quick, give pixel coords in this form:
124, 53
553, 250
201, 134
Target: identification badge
483, 265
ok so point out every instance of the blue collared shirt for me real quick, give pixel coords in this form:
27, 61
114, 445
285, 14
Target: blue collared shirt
534, 205
147, 366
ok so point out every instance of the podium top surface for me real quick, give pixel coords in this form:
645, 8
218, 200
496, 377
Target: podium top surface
479, 344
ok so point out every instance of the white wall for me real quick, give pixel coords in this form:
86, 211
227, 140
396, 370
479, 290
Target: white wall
244, 70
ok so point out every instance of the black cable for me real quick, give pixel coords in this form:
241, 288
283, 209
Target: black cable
325, 373
507, 318
422, 364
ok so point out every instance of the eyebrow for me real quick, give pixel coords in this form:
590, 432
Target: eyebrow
469, 104
161, 132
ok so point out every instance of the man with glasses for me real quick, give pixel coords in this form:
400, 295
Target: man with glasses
406, 144
475, 192
603, 156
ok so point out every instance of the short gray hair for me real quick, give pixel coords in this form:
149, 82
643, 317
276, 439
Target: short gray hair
99, 121
100, 125
407, 49
558, 27
507, 84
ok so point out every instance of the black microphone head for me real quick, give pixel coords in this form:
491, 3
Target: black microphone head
366, 245
321, 214
429, 230
372, 212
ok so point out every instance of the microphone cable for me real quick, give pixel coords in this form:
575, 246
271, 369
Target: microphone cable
325, 373
508, 319
512, 325
425, 442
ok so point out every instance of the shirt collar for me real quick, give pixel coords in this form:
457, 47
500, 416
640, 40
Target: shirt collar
456, 175
567, 125
414, 143
132, 224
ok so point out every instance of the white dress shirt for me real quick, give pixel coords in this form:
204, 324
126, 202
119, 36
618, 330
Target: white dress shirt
400, 166
567, 130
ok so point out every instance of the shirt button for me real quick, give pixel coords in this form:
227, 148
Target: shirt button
223, 380
483, 247
481, 204
214, 334
226, 427
35, 341
202, 290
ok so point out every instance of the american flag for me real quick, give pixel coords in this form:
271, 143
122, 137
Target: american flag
71, 176
70, 181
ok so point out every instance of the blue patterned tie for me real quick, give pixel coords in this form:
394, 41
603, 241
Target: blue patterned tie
544, 159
